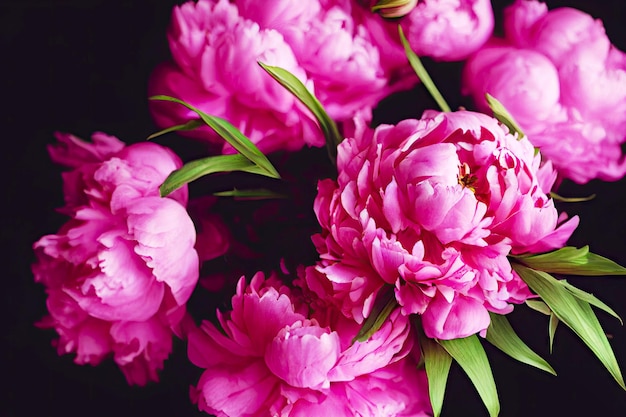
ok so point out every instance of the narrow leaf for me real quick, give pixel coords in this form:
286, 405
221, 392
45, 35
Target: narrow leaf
383, 306
252, 194
539, 306
422, 74
575, 314
205, 166
230, 134
503, 115
299, 90
501, 335
589, 298
552, 325
557, 197
572, 261
437, 362
471, 356
190, 125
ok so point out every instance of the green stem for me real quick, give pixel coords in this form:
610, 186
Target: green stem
422, 73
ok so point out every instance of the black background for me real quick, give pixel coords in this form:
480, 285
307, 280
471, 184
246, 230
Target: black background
81, 66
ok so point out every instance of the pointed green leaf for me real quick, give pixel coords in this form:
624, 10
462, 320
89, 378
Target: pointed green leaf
299, 90
190, 125
501, 335
205, 166
552, 325
589, 298
470, 355
503, 115
252, 194
539, 306
572, 261
437, 362
230, 134
575, 314
383, 306
422, 74
557, 197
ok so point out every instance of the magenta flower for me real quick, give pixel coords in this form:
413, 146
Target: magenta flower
119, 272
216, 45
445, 30
433, 207
338, 53
560, 77
215, 68
273, 357
448, 30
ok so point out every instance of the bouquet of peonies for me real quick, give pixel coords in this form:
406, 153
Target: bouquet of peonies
314, 260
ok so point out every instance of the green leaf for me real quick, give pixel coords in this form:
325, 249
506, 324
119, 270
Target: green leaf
589, 298
299, 90
503, 115
232, 135
190, 125
557, 197
575, 314
437, 362
501, 335
552, 325
383, 306
252, 194
572, 261
422, 74
471, 356
205, 166
539, 306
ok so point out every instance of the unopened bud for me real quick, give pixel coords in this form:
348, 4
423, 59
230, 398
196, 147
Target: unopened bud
394, 8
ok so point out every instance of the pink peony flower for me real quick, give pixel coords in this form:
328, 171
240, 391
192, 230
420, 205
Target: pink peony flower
338, 53
216, 45
274, 357
119, 272
562, 80
215, 68
433, 207
448, 30
445, 30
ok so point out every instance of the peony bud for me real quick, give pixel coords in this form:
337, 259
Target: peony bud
394, 8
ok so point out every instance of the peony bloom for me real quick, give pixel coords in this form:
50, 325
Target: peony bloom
119, 272
433, 207
274, 357
215, 52
445, 30
562, 80
338, 53
216, 45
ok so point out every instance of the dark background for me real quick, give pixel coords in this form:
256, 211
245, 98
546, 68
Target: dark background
80, 66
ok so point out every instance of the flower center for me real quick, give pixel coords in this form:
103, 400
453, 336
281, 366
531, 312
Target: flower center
466, 179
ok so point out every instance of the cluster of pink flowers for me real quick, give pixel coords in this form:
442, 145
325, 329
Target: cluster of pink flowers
427, 211
559, 76
347, 56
